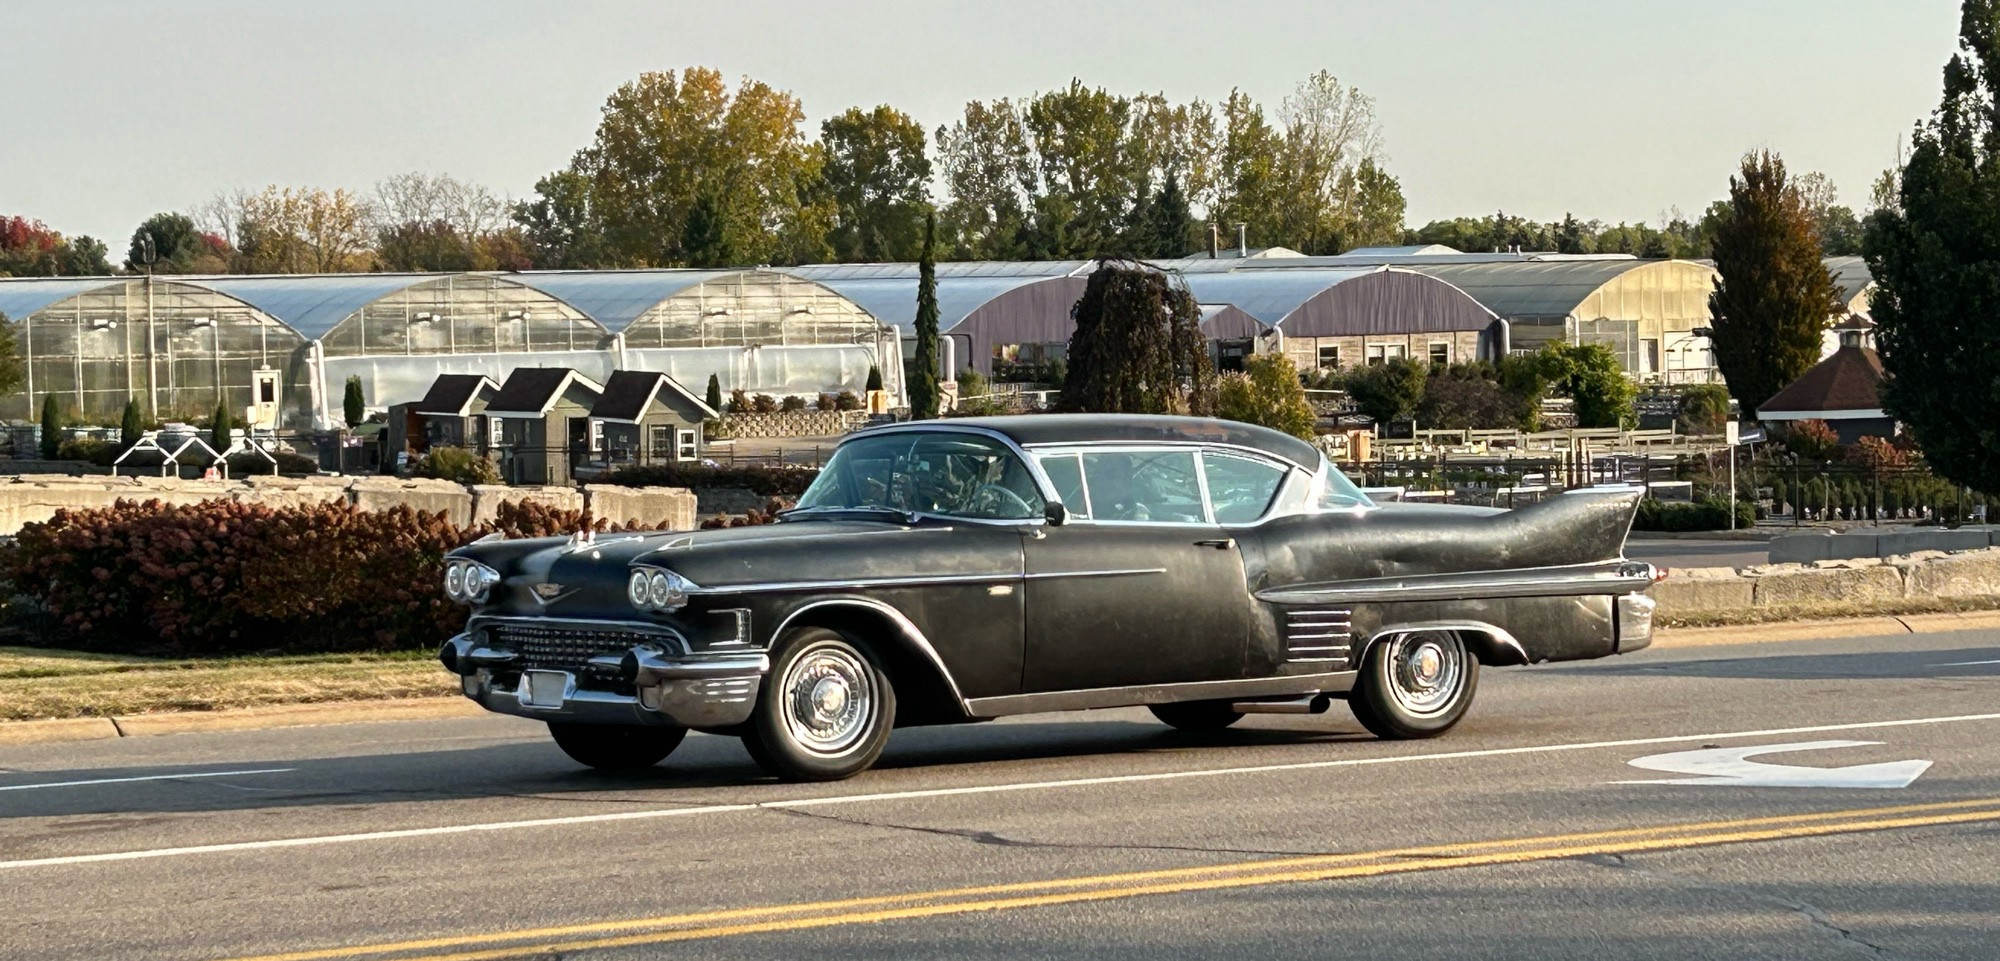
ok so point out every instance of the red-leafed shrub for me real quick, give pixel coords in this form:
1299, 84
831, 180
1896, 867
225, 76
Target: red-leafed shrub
224, 577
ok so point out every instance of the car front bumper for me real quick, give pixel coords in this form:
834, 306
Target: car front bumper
697, 690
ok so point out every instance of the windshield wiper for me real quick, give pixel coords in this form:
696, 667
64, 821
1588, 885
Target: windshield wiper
907, 517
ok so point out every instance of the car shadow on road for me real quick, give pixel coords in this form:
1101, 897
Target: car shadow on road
705, 770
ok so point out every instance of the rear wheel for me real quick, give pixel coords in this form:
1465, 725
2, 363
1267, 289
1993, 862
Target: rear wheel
1415, 685
616, 747
826, 711
1196, 715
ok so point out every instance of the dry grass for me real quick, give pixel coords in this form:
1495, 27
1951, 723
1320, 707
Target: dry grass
40, 683
1829, 612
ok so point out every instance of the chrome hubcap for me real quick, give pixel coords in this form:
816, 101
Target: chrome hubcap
829, 700
1426, 671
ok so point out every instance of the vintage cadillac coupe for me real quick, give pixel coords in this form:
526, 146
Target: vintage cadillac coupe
950, 571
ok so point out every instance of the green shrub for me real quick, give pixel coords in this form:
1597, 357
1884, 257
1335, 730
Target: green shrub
791, 402
827, 402
1707, 514
228, 577
289, 464
457, 464
763, 404
847, 400
90, 449
765, 481
739, 402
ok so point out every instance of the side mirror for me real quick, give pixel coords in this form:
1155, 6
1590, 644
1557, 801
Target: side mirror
1055, 514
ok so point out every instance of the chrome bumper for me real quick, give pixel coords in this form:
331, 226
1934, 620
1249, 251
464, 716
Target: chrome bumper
702, 691
1635, 622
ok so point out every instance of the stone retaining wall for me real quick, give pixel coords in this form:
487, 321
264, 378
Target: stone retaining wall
30, 498
1922, 575
793, 423
1825, 546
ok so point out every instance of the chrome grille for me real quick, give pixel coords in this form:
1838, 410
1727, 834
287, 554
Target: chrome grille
564, 647
1323, 634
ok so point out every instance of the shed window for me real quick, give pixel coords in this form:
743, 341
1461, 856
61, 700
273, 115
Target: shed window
1440, 355
1329, 356
687, 449
662, 445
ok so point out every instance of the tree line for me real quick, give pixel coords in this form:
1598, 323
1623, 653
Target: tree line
685, 170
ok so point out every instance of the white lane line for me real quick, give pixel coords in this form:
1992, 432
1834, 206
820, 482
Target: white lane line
1967, 664
151, 777
146, 854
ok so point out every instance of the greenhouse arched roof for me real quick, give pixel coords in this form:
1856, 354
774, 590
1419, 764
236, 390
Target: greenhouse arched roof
616, 299
311, 305
893, 301
19, 298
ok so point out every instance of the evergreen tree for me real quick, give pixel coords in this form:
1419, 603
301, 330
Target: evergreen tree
51, 427
1137, 347
353, 408
1776, 296
1935, 257
714, 398
924, 389
705, 237
221, 429
1169, 222
131, 425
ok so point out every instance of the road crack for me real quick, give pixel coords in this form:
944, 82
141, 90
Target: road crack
1000, 840
1815, 916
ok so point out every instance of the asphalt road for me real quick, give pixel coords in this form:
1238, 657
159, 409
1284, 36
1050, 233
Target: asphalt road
1698, 553
1520, 835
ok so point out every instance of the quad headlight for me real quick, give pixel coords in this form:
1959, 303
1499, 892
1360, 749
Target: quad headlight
654, 589
468, 582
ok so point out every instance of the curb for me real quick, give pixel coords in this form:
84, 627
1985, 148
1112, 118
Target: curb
238, 719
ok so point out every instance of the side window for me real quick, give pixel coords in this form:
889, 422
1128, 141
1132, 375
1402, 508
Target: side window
1066, 473
1240, 488
1157, 487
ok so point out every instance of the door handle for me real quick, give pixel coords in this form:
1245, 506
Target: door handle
1219, 543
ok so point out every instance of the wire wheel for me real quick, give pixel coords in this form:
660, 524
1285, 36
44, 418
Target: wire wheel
829, 700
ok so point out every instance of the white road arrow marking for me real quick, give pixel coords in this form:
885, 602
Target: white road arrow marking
1732, 767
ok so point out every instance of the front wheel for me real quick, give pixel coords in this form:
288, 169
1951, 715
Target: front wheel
616, 747
1415, 685
826, 711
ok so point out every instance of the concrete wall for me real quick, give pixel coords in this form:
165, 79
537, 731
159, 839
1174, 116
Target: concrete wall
1826, 546
32, 498
1832, 584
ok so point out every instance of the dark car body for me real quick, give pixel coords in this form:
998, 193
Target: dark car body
1078, 601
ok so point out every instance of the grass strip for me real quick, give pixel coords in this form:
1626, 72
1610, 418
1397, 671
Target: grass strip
36, 683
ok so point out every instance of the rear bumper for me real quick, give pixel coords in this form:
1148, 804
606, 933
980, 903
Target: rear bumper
1635, 622
701, 690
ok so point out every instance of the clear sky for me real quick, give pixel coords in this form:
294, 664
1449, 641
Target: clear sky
1612, 109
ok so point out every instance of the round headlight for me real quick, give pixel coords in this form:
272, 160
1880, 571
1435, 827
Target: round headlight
454, 580
638, 590
659, 590
479, 581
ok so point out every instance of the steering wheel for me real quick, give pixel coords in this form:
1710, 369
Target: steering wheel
1005, 496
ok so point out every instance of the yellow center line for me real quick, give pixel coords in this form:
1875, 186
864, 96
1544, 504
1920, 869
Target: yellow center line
966, 900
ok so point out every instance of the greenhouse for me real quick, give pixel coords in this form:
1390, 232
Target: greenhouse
279, 350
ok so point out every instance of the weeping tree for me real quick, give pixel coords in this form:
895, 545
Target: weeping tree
1137, 347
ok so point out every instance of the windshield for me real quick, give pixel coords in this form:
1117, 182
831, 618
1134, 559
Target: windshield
942, 472
1337, 493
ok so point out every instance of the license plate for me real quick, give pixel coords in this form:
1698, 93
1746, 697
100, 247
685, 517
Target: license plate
543, 689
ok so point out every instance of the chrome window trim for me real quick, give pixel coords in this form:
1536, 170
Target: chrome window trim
902, 622
1068, 449
1270, 511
